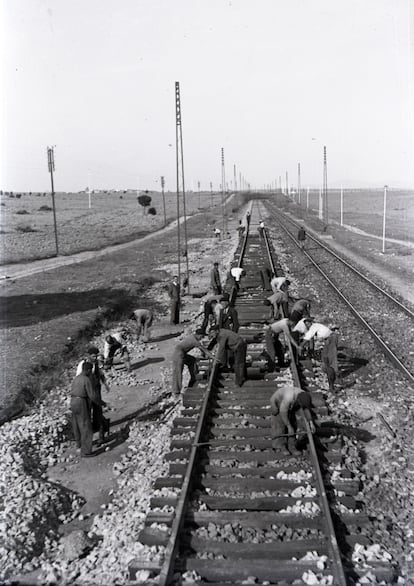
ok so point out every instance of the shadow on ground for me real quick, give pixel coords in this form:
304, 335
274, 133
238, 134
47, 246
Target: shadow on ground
26, 310
142, 363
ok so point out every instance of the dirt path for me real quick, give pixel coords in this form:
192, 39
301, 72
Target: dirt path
18, 271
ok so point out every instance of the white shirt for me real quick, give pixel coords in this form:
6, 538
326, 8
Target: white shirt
236, 273
216, 231
261, 225
300, 327
318, 330
277, 282
118, 337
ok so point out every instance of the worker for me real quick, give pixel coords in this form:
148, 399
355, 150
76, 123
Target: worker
230, 342
261, 229
265, 276
217, 233
173, 290
215, 282
248, 219
284, 404
300, 309
279, 303
237, 273
274, 347
82, 395
143, 319
228, 318
277, 282
210, 316
329, 357
182, 357
241, 230
301, 237
99, 423
115, 346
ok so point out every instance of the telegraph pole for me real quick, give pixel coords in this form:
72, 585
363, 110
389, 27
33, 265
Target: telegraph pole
325, 188
287, 184
163, 199
299, 197
235, 178
51, 167
199, 202
180, 172
211, 193
223, 190
383, 218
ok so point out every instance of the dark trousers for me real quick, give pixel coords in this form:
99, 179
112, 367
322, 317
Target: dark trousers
175, 311
331, 374
179, 360
265, 278
296, 316
280, 429
207, 313
81, 424
240, 363
274, 349
217, 289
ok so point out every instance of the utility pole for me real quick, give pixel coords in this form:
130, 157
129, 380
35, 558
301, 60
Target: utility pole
180, 171
163, 199
223, 189
383, 219
211, 193
307, 198
235, 178
199, 202
51, 167
287, 184
299, 197
342, 206
325, 188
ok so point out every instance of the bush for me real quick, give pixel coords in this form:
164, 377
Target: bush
22, 212
18, 195
144, 201
45, 208
152, 211
25, 228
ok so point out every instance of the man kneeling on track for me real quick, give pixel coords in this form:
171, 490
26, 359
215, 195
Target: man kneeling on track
284, 404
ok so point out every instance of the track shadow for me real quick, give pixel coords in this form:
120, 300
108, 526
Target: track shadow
114, 440
327, 428
164, 337
25, 310
146, 361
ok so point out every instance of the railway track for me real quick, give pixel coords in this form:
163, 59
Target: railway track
232, 509
388, 320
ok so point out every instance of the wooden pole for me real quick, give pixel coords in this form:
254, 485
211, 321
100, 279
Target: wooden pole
383, 219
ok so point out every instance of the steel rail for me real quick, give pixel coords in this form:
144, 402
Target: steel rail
355, 270
340, 579
393, 357
180, 510
167, 567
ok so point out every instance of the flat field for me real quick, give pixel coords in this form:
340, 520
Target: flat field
27, 231
363, 209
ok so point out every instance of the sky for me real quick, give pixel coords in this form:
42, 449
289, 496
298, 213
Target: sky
270, 81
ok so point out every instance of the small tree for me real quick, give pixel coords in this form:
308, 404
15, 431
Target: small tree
152, 211
144, 200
